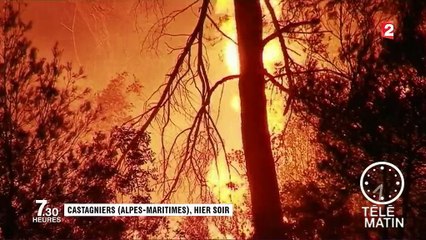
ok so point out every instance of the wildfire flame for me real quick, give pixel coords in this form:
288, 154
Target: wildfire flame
272, 51
272, 54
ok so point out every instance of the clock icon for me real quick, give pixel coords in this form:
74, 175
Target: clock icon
382, 183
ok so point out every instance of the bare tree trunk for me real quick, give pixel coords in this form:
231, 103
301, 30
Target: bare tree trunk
262, 177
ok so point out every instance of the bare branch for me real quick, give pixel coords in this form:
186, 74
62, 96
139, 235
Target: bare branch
172, 76
223, 80
215, 25
288, 28
272, 79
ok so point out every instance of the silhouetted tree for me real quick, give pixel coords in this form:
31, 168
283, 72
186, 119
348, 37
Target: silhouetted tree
188, 92
315, 204
266, 206
49, 149
370, 108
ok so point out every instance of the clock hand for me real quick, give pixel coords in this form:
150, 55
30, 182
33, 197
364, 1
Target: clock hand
380, 189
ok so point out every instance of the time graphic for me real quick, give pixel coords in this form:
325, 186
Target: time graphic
382, 183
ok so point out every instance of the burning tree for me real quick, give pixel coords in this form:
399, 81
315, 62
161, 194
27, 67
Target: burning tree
188, 90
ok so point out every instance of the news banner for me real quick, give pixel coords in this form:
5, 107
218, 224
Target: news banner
46, 213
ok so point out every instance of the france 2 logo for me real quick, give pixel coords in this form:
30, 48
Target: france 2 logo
387, 30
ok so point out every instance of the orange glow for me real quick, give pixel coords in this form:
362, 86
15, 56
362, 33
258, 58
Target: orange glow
272, 52
220, 179
163, 113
